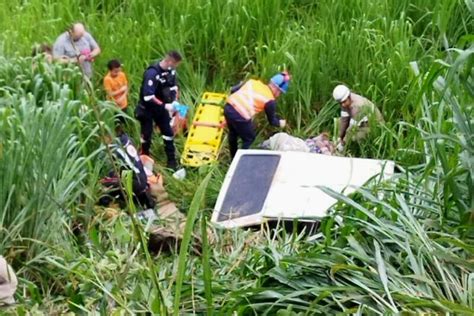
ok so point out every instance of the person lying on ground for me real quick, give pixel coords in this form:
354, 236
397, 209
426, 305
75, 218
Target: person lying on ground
320, 144
284, 142
356, 113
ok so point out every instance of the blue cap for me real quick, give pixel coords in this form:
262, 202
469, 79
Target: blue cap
282, 81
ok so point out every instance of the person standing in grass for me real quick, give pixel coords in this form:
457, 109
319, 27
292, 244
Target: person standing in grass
356, 114
116, 84
158, 92
76, 46
248, 99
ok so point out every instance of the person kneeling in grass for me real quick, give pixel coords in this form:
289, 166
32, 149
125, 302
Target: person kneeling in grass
116, 84
356, 114
126, 157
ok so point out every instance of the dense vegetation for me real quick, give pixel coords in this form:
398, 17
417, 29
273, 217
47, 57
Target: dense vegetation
406, 245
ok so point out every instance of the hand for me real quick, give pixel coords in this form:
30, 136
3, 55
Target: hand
282, 123
121, 98
89, 57
82, 58
340, 147
175, 103
169, 107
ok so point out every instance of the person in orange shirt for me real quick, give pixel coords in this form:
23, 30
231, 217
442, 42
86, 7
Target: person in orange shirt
116, 84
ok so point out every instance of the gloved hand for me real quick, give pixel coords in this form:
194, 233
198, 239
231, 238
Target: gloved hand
340, 146
169, 107
282, 123
175, 104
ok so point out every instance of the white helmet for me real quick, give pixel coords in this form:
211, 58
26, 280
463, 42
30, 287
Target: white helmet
341, 93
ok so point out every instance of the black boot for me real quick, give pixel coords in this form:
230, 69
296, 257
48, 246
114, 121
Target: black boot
170, 155
172, 164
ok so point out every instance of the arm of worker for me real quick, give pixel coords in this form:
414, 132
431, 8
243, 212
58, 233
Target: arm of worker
59, 51
95, 49
108, 84
124, 95
121, 98
60, 56
173, 84
149, 87
344, 122
122, 90
273, 119
65, 60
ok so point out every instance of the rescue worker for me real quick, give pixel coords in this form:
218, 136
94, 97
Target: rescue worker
356, 112
157, 93
247, 100
127, 157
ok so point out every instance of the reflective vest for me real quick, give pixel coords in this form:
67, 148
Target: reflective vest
251, 98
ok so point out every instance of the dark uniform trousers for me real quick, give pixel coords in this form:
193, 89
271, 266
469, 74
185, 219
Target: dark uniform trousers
146, 115
238, 127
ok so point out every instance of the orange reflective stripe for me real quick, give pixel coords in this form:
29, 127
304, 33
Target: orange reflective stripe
261, 101
246, 100
262, 94
239, 100
244, 113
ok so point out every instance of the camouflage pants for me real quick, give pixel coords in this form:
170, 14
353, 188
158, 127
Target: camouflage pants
357, 134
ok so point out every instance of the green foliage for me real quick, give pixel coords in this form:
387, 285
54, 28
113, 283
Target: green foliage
399, 247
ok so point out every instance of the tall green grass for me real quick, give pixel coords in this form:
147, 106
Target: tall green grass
403, 246
45, 168
367, 45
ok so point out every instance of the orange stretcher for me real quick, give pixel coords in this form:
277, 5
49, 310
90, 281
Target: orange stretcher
205, 135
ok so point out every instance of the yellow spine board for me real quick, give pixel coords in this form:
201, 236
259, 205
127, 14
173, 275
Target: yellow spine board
205, 135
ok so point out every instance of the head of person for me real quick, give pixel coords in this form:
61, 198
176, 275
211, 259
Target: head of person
43, 49
172, 60
110, 135
324, 136
279, 83
77, 31
342, 95
115, 67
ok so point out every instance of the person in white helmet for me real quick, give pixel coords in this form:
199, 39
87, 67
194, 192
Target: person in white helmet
356, 112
